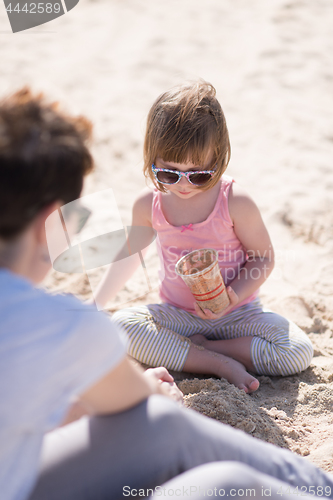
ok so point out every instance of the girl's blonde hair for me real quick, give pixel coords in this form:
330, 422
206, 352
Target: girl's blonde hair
187, 124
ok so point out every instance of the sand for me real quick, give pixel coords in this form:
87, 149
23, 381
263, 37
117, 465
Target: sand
271, 63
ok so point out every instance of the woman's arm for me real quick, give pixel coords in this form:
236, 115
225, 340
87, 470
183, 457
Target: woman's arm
120, 271
252, 233
122, 388
126, 386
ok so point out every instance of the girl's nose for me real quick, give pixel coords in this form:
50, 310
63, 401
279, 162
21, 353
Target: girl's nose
183, 181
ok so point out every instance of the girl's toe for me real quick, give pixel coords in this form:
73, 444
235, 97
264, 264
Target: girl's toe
253, 386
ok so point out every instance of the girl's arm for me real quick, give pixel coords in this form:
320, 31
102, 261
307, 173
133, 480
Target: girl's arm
120, 271
252, 233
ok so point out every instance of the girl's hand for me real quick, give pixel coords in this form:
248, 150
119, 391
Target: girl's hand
166, 381
207, 314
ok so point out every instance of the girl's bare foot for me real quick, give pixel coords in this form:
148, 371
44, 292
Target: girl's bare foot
236, 374
228, 368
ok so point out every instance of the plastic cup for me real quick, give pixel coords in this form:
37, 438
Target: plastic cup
201, 273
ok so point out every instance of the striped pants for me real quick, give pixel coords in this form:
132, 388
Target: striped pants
159, 335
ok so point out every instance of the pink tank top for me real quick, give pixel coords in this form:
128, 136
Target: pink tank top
176, 241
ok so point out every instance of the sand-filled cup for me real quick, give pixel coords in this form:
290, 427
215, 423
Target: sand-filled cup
201, 273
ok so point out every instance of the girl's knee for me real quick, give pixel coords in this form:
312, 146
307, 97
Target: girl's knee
284, 359
131, 315
301, 349
297, 361
305, 350
119, 316
137, 323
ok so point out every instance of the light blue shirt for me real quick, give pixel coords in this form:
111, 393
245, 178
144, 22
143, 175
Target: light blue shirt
52, 348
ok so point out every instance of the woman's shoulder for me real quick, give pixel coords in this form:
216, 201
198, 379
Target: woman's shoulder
44, 312
55, 318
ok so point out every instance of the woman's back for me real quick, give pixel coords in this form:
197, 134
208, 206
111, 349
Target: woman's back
41, 370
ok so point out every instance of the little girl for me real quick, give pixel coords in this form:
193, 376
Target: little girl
194, 205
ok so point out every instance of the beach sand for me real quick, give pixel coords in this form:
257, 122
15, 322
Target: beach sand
271, 63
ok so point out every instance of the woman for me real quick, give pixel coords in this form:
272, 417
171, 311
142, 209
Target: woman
55, 350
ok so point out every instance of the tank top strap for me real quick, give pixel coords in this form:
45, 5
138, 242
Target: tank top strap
158, 218
223, 207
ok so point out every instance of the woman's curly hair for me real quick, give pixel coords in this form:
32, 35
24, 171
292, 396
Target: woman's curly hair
43, 158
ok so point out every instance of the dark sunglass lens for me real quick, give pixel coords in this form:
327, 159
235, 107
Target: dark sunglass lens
167, 177
200, 179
